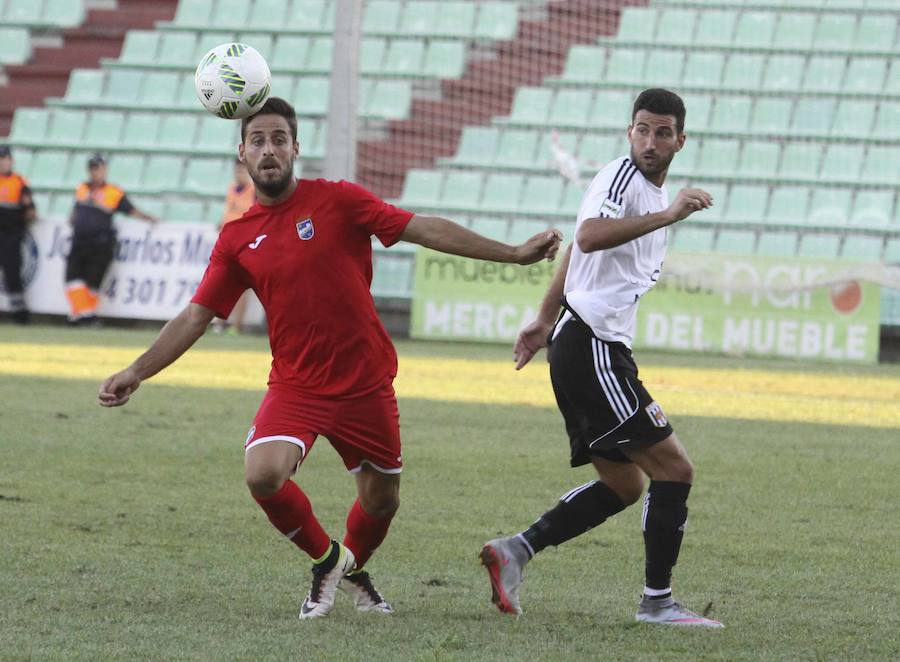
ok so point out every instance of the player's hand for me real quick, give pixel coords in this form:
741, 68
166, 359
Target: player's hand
116, 390
530, 340
540, 246
688, 201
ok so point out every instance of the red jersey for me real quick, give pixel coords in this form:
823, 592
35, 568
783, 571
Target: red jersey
309, 260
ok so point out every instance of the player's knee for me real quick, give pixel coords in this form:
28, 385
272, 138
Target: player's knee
629, 491
682, 471
264, 481
382, 505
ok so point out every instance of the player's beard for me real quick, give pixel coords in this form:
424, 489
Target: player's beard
657, 166
272, 188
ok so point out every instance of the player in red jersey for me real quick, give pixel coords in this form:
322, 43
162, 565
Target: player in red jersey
305, 250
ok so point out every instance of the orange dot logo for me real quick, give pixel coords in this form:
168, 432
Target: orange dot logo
846, 297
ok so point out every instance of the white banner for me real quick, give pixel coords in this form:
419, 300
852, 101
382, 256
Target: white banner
154, 273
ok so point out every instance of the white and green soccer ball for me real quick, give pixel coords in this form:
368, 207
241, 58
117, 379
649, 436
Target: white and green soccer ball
233, 81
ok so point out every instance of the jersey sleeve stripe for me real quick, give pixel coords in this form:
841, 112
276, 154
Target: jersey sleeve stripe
621, 192
622, 169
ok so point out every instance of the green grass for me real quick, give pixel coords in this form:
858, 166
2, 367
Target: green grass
129, 533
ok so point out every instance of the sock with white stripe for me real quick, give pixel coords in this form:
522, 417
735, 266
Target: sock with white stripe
579, 510
665, 517
290, 512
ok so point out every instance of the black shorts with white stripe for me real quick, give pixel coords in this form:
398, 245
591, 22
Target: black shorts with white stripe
604, 404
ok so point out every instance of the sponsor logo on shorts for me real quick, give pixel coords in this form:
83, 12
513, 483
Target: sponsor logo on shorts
305, 229
655, 412
250, 434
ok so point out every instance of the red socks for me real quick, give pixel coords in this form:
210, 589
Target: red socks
291, 513
364, 533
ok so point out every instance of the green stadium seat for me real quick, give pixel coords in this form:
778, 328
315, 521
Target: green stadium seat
599, 148
178, 132
311, 96
784, 73
747, 203
801, 160
217, 136
771, 115
29, 125
77, 171
824, 74
163, 173
206, 176
268, 15
873, 208
15, 46
477, 146
692, 239
66, 127
541, 195
58, 206
834, 32
584, 64
405, 57
141, 129
743, 71
703, 69
571, 201
48, 168
517, 149
893, 78
719, 193
140, 47
263, 42
755, 29
153, 205
699, 108
736, 242
390, 100
392, 276
127, 170
842, 162
611, 110
445, 59
496, 20
531, 105
215, 210
85, 86
625, 65
685, 162
881, 165
123, 87
381, 17
312, 16
759, 158
731, 114
24, 12
853, 119
862, 248
193, 13
866, 75
892, 251
462, 190
718, 158
875, 32
290, 53
63, 13
22, 159
663, 67
830, 206
492, 228
887, 123
185, 211
419, 18
637, 24
230, 14
104, 128
283, 86
313, 137
571, 107
794, 31
676, 26
789, 205
567, 140
455, 19
777, 244
880, 5
521, 231
206, 41
176, 48
819, 245
716, 27
157, 89
422, 188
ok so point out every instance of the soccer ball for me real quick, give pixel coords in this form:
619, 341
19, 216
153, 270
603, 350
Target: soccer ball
233, 81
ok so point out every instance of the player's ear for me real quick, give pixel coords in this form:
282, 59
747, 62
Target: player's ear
241, 152
679, 141
296, 149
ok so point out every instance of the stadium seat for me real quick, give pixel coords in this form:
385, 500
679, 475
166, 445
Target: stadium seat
719, 193
731, 114
755, 29
392, 275
492, 228
759, 158
801, 160
502, 192
319, 56
843, 162
743, 71
268, 15
663, 67
85, 86
699, 108
178, 132
15, 46
230, 14
516, 149
875, 32
184, 211
789, 205
404, 57
600, 149
830, 206
163, 173
819, 245
418, 17
881, 165
862, 248
312, 16
570, 107
29, 125
676, 26
193, 13
703, 69
311, 96
825, 74
892, 251
611, 110
207, 40
176, 48
853, 119
66, 127
496, 20
771, 115
477, 146
718, 158
572, 195
123, 87
716, 27
462, 190
455, 19
584, 64
777, 244
542, 195
567, 140
531, 105
381, 17
23, 158
140, 47
693, 239
127, 170
833, 33
48, 168
206, 176
737, 242
290, 53
625, 65
217, 136
104, 128
521, 230
866, 75
685, 161
156, 90
784, 73
422, 188
445, 59
637, 24
390, 99
24, 12
141, 129
263, 42
887, 122
747, 203
63, 13
794, 31
873, 209
893, 76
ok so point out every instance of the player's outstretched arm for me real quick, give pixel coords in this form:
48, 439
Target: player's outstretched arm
448, 237
597, 234
174, 340
534, 336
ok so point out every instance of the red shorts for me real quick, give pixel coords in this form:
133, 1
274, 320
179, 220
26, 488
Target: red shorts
361, 430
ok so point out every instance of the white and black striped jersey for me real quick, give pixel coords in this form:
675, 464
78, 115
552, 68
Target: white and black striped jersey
603, 287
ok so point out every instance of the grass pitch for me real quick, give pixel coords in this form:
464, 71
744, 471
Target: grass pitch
129, 533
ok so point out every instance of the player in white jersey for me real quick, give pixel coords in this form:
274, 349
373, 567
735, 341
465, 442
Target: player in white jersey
611, 419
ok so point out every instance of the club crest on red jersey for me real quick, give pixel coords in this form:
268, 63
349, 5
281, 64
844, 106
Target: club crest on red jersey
305, 229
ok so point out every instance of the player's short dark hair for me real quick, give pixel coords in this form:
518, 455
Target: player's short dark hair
273, 106
661, 102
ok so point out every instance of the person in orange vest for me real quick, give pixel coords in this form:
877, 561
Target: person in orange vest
93, 239
240, 197
16, 213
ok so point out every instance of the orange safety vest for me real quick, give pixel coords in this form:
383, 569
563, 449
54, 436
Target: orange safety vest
238, 202
106, 197
11, 187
